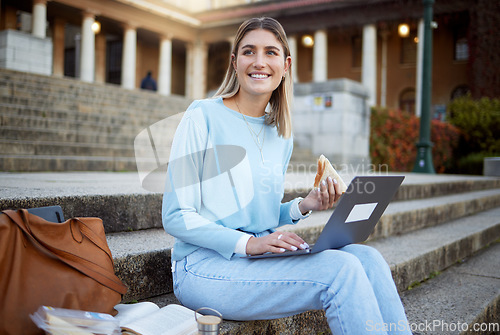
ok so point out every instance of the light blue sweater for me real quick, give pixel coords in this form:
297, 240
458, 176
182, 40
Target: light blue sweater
217, 186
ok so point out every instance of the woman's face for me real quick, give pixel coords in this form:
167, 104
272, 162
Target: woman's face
260, 63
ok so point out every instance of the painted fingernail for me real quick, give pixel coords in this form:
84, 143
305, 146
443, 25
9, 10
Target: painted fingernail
329, 178
323, 183
318, 189
335, 181
282, 250
303, 246
293, 247
307, 245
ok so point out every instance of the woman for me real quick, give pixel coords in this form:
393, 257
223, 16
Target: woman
223, 200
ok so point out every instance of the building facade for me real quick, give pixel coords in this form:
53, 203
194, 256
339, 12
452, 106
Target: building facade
186, 44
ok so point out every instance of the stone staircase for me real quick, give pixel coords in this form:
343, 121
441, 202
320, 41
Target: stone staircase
63, 124
440, 236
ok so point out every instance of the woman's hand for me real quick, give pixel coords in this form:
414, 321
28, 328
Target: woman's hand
276, 242
321, 198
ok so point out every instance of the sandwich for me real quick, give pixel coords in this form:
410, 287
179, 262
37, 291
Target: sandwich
325, 170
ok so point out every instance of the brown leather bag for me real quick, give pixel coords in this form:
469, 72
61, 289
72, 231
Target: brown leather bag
66, 265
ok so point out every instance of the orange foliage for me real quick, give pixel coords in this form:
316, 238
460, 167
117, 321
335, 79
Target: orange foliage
394, 135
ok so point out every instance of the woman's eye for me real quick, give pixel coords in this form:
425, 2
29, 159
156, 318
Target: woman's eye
272, 53
247, 52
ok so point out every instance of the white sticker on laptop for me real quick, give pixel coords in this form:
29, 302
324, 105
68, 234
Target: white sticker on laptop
361, 212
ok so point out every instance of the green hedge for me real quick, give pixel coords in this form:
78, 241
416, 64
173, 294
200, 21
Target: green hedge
479, 124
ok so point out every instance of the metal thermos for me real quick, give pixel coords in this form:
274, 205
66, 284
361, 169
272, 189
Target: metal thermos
208, 324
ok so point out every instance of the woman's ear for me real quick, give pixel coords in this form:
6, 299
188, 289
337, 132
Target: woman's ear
288, 63
233, 61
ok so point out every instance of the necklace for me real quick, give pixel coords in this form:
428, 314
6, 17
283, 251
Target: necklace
255, 136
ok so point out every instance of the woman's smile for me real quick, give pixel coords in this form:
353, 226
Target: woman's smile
259, 75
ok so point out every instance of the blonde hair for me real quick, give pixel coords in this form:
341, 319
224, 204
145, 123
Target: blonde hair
280, 113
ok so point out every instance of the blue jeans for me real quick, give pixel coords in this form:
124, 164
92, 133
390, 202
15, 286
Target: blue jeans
353, 285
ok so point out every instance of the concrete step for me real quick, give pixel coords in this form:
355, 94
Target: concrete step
402, 217
414, 256
95, 121
142, 262
462, 300
131, 104
94, 193
113, 108
456, 299
35, 163
307, 323
68, 90
45, 129
60, 124
415, 186
88, 112
117, 198
54, 149
67, 135
65, 88
142, 258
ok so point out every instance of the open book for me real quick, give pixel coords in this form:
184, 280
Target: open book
146, 318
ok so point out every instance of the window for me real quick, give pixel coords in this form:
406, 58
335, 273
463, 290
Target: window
460, 27
114, 61
461, 47
409, 49
407, 100
70, 62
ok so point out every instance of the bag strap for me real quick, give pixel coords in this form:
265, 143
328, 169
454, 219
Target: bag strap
87, 267
94, 238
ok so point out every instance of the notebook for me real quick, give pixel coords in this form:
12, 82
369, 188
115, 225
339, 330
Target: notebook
353, 220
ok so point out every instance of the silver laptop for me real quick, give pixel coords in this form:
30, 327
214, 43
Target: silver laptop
355, 216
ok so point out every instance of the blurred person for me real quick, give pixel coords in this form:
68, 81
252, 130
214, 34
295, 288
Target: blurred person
148, 83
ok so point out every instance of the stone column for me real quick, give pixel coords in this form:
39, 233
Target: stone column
165, 66
420, 59
320, 56
39, 18
196, 69
383, 74
369, 62
87, 60
100, 58
129, 57
58, 47
292, 43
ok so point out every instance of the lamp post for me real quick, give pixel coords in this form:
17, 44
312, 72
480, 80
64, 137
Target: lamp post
423, 163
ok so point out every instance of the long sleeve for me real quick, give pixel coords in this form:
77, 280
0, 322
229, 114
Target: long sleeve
219, 188
285, 208
182, 200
